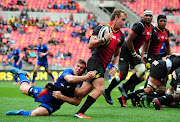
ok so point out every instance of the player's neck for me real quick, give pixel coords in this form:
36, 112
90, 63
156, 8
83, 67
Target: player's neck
160, 29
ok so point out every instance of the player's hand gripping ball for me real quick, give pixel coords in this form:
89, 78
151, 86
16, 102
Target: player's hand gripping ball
101, 35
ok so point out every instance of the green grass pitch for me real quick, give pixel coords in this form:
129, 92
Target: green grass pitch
12, 99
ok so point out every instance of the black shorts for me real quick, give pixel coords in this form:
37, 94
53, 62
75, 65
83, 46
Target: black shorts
158, 70
152, 57
127, 59
94, 64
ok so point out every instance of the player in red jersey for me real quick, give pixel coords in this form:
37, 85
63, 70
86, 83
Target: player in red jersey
101, 56
160, 35
139, 34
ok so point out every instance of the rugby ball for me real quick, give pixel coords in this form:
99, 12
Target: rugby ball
103, 30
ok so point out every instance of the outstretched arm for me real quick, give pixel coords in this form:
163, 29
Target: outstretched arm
77, 79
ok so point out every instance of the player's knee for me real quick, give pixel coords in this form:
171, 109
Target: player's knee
140, 70
24, 89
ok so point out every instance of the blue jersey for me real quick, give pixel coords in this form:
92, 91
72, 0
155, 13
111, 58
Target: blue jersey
16, 53
162, 52
42, 49
62, 82
47, 100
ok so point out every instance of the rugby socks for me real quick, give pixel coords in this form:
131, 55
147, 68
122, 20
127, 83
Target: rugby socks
113, 84
23, 78
132, 79
51, 75
133, 95
15, 78
34, 76
166, 99
89, 101
26, 113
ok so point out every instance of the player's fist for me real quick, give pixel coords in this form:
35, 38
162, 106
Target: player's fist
91, 74
41, 54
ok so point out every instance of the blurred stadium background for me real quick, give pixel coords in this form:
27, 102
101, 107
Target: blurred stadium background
66, 26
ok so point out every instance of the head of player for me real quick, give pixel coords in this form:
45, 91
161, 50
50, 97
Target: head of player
147, 16
40, 41
79, 67
118, 17
162, 21
14, 47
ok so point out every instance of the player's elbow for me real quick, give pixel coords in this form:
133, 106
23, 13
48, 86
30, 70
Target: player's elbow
70, 80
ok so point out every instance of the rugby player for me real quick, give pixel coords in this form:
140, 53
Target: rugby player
43, 51
139, 34
172, 98
69, 79
17, 57
158, 73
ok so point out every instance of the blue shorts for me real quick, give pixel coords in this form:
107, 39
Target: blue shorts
44, 64
47, 101
20, 65
110, 66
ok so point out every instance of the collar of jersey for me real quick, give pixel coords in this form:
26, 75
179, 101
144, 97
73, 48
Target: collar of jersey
113, 29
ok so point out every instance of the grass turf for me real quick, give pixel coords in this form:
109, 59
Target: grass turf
12, 99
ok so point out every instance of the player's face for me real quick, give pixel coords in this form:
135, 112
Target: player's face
120, 21
14, 46
147, 18
79, 69
40, 41
162, 23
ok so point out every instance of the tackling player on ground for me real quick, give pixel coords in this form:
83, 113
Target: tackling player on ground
69, 79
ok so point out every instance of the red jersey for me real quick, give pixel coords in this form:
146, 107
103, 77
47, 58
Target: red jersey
104, 53
157, 40
143, 34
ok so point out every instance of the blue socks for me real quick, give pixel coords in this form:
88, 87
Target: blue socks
25, 113
34, 76
15, 78
23, 78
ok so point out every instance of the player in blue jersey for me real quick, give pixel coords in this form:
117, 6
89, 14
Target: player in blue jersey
51, 102
43, 51
17, 57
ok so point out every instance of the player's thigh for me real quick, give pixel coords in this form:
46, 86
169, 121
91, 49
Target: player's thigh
98, 86
83, 90
36, 68
40, 111
99, 83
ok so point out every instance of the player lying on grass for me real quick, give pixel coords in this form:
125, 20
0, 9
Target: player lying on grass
69, 79
158, 73
172, 98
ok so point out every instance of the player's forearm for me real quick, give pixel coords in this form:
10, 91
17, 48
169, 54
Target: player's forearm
168, 50
94, 43
145, 47
75, 79
73, 101
47, 52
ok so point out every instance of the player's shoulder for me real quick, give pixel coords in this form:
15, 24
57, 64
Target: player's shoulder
166, 30
70, 71
44, 45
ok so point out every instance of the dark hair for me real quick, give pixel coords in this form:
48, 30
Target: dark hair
117, 13
40, 38
161, 16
